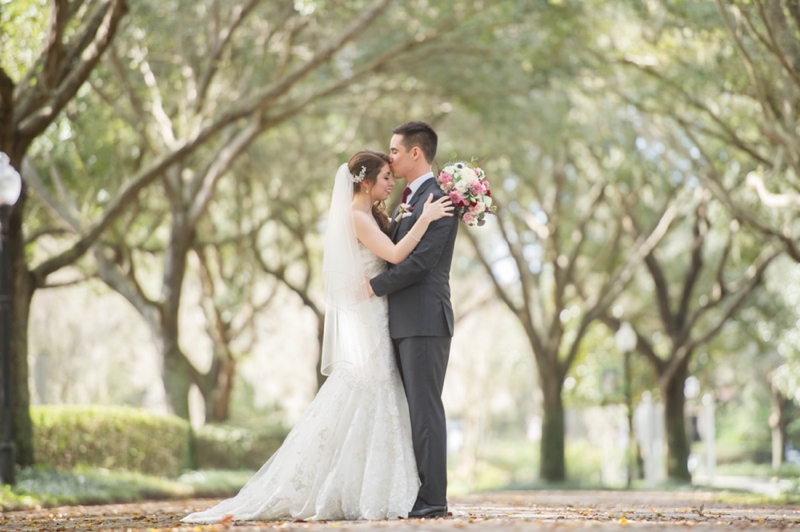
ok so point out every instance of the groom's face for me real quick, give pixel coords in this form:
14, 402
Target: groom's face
400, 160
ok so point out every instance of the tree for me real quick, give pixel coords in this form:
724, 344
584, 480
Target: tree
691, 303
563, 259
725, 75
297, 81
190, 186
76, 36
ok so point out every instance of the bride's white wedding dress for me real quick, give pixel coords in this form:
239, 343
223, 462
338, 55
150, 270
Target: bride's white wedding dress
349, 456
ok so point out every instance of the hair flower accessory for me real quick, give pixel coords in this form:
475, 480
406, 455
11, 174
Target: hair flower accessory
360, 177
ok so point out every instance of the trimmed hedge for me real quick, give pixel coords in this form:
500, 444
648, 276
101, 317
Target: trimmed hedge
230, 447
134, 439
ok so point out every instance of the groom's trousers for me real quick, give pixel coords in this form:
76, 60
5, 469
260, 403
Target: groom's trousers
422, 361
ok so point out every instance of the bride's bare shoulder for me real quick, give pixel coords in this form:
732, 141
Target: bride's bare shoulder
360, 216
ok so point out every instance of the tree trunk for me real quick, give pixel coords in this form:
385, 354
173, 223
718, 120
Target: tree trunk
218, 396
176, 371
778, 445
552, 466
675, 425
176, 376
778, 420
22, 288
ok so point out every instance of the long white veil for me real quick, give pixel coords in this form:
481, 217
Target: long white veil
351, 327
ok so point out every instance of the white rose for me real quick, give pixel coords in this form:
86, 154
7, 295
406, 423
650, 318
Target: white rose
462, 186
487, 201
470, 175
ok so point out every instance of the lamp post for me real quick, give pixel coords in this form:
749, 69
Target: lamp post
626, 340
10, 188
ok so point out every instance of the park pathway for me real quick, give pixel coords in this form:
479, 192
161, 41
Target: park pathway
498, 511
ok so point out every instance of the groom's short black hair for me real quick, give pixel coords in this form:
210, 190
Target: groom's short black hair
419, 134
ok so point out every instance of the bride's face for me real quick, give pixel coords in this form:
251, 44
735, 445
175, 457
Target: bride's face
383, 185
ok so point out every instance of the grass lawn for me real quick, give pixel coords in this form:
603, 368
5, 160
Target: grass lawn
45, 488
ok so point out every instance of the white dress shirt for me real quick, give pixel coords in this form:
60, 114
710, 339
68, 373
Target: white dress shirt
418, 183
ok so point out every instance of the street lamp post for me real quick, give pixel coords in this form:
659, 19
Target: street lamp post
626, 340
10, 188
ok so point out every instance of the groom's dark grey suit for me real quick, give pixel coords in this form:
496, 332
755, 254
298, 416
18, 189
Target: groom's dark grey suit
421, 326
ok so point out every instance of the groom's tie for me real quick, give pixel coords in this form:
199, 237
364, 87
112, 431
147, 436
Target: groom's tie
406, 193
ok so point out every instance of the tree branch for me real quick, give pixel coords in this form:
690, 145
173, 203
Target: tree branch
695, 266
127, 286
642, 248
98, 35
54, 51
642, 345
206, 186
222, 39
755, 275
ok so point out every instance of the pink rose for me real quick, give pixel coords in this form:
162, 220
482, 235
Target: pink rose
468, 219
456, 197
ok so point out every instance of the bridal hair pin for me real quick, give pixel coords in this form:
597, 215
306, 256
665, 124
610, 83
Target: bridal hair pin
360, 177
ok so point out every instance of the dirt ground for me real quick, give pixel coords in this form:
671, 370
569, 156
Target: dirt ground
511, 511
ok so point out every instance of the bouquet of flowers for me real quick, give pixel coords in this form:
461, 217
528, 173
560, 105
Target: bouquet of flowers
468, 189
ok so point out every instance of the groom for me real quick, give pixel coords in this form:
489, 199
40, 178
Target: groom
420, 313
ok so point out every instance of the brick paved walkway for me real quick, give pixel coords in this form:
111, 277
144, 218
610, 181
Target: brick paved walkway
506, 511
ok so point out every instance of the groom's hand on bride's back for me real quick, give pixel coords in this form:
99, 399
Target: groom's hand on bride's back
369, 288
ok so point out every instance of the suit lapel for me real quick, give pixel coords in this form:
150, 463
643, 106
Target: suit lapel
394, 226
417, 202
422, 194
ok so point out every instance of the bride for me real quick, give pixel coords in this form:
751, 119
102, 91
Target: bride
350, 455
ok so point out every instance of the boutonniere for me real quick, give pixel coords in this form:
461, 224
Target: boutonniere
405, 210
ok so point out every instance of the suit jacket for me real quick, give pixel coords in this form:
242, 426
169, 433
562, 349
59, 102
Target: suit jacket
418, 288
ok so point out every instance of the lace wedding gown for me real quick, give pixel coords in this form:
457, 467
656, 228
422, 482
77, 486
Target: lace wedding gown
349, 456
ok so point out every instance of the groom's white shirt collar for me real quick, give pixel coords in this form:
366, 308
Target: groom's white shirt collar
418, 183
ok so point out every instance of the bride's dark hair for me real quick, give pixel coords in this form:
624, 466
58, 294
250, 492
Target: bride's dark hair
373, 162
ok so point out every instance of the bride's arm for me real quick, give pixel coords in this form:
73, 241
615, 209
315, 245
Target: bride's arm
375, 240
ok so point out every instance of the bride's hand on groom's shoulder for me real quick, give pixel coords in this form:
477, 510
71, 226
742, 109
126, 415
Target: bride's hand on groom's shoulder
440, 208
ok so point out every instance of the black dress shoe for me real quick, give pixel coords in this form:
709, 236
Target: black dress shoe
423, 511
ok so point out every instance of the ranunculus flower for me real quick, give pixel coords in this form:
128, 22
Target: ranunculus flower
477, 208
470, 175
